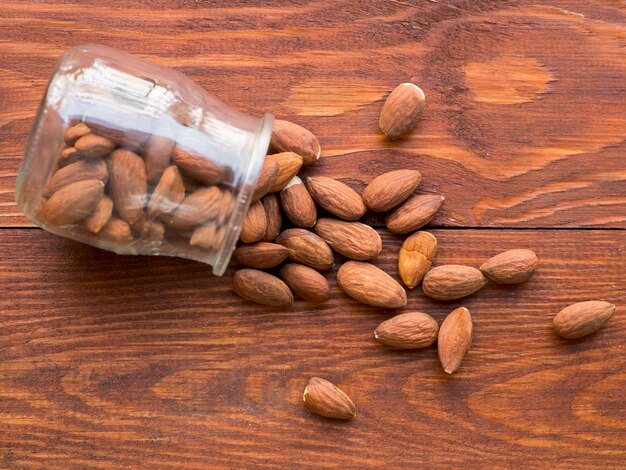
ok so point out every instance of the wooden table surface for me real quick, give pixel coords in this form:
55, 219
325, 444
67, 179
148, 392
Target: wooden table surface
138, 362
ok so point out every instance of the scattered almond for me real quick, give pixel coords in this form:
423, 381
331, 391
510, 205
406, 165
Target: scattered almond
411, 330
168, 194
99, 216
325, 399
254, 224
260, 255
307, 248
455, 338
290, 137
414, 213
298, 204
370, 285
290, 164
452, 281
157, 154
72, 202
415, 257
391, 189
305, 282
402, 110
582, 318
511, 267
337, 198
267, 177
273, 216
128, 184
351, 239
80, 170
262, 288
93, 146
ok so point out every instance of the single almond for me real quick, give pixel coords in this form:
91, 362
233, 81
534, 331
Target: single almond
289, 165
197, 208
116, 230
72, 202
80, 170
262, 288
208, 236
305, 282
352, 239
168, 194
452, 281
511, 267
290, 137
391, 189
298, 204
325, 399
337, 198
260, 255
128, 184
267, 177
273, 216
254, 224
402, 110
157, 154
411, 330
582, 318
93, 146
149, 229
414, 213
75, 132
307, 248
68, 156
455, 339
416, 257
370, 285
99, 216
200, 167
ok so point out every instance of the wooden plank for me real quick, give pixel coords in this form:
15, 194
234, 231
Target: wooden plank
111, 361
526, 116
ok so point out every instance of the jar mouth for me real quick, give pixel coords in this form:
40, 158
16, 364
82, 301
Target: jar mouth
255, 149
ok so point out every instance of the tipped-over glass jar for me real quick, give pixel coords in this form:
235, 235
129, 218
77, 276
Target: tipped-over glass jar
134, 158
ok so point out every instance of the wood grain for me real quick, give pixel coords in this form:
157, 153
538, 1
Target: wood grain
526, 115
111, 361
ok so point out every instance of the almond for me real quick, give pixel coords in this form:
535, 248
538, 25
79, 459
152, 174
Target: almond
325, 399
68, 156
267, 177
352, 239
402, 110
199, 167
510, 267
149, 229
273, 217
262, 288
390, 189
93, 146
411, 330
582, 318
117, 230
208, 236
415, 257
290, 137
254, 224
168, 194
305, 282
157, 153
298, 204
197, 208
260, 255
72, 134
337, 198
289, 165
370, 285
307, 248
124, 136
80, 170
128, 184
72, 202
455, 338
452, 281
99, 216
414, 213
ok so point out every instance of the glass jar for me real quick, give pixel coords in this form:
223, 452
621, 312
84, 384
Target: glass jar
135, 158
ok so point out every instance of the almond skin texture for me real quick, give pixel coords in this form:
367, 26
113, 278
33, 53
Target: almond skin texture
452, 281
149, 229
415, 257
93, 146
325, 399
455, 339
157, 154
298, 204
262, 288
73, 202
128, 184
260, 255
81, 170
390, 189
75, 132
290, 137
411, 330
402, 110
99, 216
198, 167
337, 198
117, 230
305, 282
352, 239
197, 208
290, 164
582, 318
273, 216
207, 236
68, 156
168, 194
511, 267
267, 177
414, 213
254, 224
307, 248
370, 285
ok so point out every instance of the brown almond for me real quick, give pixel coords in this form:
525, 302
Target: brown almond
75, 132
157, 153
337, 198
305, 282
267, 177
197, 208
72, 202
199, 167
149, 229
352, 239
168, 194
93, 146
325, 399
289, 165
273, 216
191, 184
391, 189
290, 137
80, 170
511, 267
307, 248
298, 204
117, 230
128, 184
455, 339
262, 288
208, 236
254, 224
452, 281
414, 213
415, 257
370, 285
123, 136
99, 216
68, 156
582, 318
402, 110
411, 330
260, 255
226, 207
